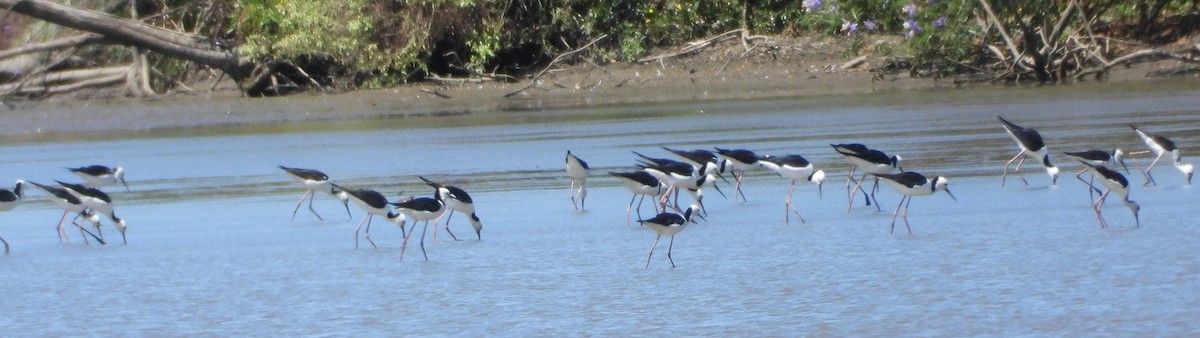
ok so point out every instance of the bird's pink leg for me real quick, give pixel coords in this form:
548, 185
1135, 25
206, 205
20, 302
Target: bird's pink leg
1006, 165
301, 201
368, 235
652, 251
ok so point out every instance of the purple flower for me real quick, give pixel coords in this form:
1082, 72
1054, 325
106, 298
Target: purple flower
870, 25
911, 29
910, 10
940, 22
850, 28
811, 5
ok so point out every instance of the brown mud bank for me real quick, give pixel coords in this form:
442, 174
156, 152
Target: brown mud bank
779, 68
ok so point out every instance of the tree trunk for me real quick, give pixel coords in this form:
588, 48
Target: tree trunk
117, 30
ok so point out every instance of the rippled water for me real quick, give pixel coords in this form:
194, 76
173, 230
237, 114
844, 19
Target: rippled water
212, 252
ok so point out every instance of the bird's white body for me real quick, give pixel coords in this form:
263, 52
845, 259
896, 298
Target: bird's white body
1159, 146
579, 171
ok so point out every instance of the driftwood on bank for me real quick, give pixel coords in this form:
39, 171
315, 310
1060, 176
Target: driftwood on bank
185, 46
536, 80
697, 46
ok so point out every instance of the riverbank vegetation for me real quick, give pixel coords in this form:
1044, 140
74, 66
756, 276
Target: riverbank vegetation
299, 44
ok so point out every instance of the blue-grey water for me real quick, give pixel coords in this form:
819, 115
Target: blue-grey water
212, 251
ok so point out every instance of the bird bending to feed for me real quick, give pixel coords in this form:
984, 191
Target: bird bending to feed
913, 184
313, 181
69, 203
668, 224
1032, 146
1162, 146
374, 203
1115, 182
421, 209
872, 162
1100, 158
578, 170
97, 201
738, 162
640, 183
98, 176
457, 200
793, 167
9, 199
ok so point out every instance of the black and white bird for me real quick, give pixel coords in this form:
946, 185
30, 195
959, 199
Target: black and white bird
738, 162
641, 184
420, 209
668, 224
1032, 146
1114, 182
699, 158
9, 199
98, 176
676, 175
457, 200
871, 161
578, 170
913, 184
97, 201
1099, 158
313, 181
70, 204
1162, 146
374, 203
793, 167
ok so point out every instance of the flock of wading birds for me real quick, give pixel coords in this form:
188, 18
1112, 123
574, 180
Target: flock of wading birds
660, 178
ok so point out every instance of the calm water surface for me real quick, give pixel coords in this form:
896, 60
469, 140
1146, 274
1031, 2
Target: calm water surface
212, 252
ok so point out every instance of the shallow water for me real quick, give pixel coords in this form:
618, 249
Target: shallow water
212, 252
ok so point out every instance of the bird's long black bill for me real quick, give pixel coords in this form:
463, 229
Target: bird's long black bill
951, 195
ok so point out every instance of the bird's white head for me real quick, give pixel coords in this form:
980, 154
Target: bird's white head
896, 162
941, 183
1053, 172
120, 224
478, 225
19, 190
818, 178
692, 211
119, 173
1135, 208
1187, 169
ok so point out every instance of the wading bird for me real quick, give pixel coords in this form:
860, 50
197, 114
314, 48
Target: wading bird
1100, 158
97, 201
1162, 146
738, 162
9, 199
579, 171
913, 184
374, 203
98, 176
457, 200
1115, 182
872, 162
668, 224
793, 167
640, 183
420, 209
313, 181
1032, 146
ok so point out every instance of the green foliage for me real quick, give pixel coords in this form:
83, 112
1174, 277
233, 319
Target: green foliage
290, 28
396, 39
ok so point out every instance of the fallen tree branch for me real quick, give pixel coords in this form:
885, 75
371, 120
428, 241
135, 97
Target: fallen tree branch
533, 82
702, 44
74, 41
